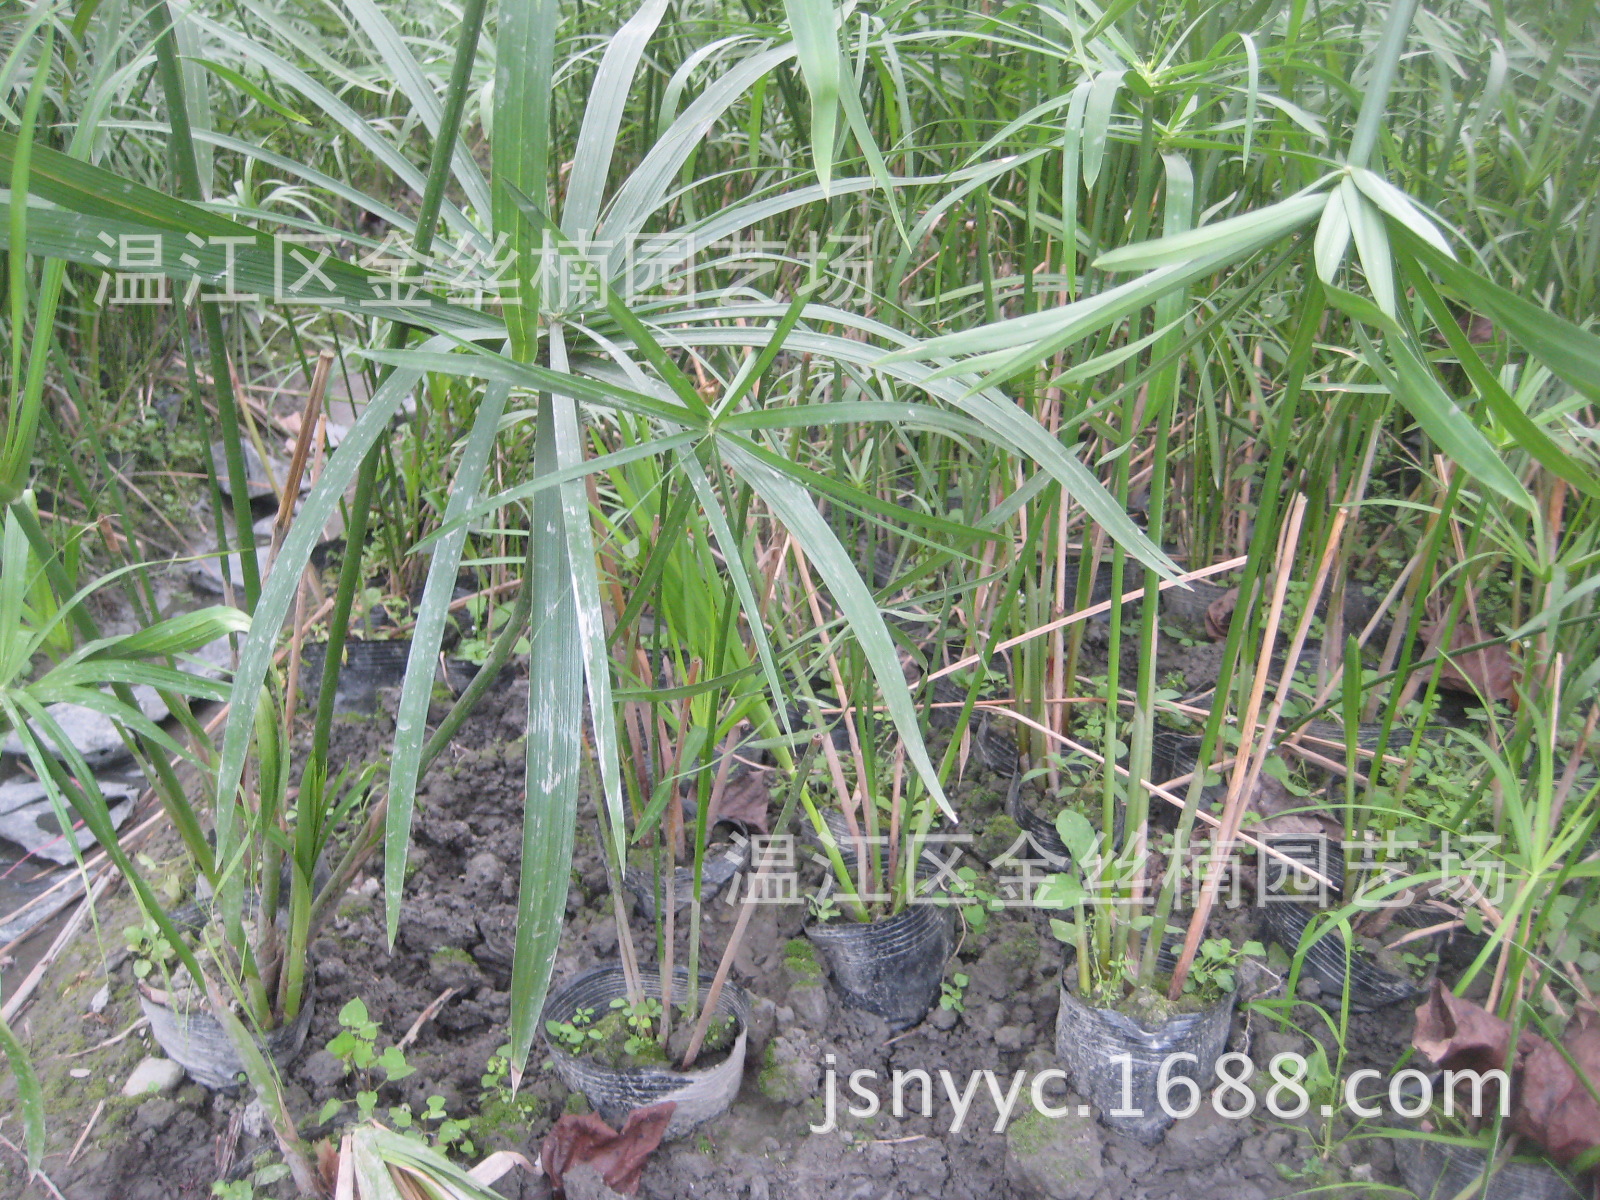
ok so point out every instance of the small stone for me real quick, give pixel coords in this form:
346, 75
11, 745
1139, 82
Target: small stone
791, 1070
90, 732
205, 573
254, 1120
323, 1071
1008, 1037
1309, 988
943, 1018
1054, 1158
20, 793
484, 872
159, 1075
80, 1072
35, 828
763, 1024
810, 1004
603, 936
98, 1002
1202, 1140
155, 1114
1137, 1161
1274, 1042
455, 968
257, 483
1003, 968
1277, 1146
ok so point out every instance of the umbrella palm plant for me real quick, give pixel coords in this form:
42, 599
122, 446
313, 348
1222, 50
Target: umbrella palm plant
540, 357
707, 377
1407, 266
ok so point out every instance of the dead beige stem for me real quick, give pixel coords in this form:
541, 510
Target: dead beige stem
1245, 767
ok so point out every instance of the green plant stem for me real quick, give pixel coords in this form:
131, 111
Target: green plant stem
351, 572
1262, 537
187, 168
371, 836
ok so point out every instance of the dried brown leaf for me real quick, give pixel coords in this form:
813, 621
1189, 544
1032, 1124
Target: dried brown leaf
1551, 1103
327, 1164
620, 1157
1554, 1107
1459, 1035
1219, 612
1284, 814
1489, 672
745, 799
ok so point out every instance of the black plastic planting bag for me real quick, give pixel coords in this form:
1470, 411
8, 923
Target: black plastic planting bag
893, 966
1042, 831
1443, 1171
196, 1040
721, 864
1326, 958
1116, 1060
1370, 985
368, 667
700, 1094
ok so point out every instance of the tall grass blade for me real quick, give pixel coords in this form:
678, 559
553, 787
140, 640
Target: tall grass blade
585, 584
416, 691
278, 591
793, 506
1571, 352
30, 1097
424, 102
602, 118
1233, 238
817, 48
555, 733
1414, 385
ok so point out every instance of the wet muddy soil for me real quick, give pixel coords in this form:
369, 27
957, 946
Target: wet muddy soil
450, 971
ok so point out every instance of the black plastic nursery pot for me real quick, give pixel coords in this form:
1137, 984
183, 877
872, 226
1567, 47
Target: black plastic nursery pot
722, 863
1090, 1042
1332, 963
1328, 959
701, 1093
1445, 1170
195, 1040
892, 966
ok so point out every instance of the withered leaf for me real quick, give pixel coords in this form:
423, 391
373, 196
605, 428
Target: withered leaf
620, 1157
1554, 1107
1219, 612
1284, 814
1489, 672
745, 800
327, 1164
1459, 1035
1551, 1104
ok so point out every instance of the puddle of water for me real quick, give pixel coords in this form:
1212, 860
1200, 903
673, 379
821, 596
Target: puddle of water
19, 883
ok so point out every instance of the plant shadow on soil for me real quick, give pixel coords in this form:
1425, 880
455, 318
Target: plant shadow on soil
457, 933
